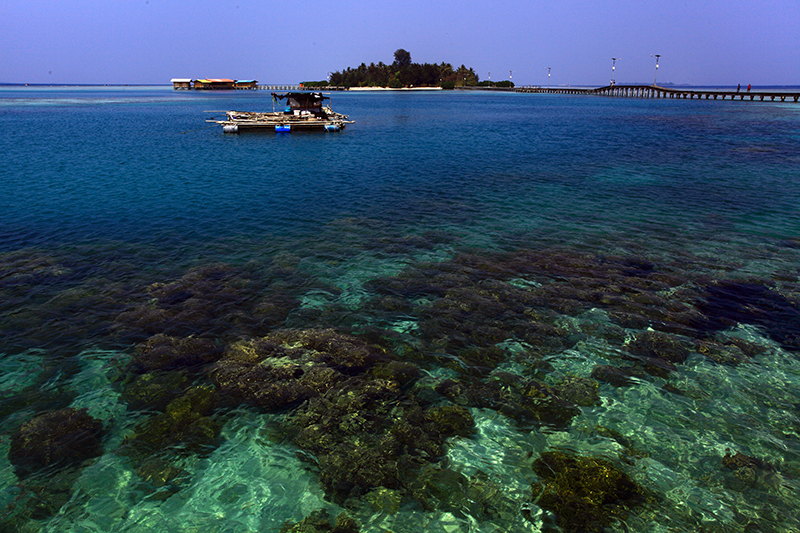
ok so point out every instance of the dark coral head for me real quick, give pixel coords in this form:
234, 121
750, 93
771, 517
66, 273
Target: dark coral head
585, 493
55, 439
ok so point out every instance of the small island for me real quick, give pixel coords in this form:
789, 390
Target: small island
403, 73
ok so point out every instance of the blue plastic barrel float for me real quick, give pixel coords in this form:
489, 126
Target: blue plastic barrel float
331, 127
283, 128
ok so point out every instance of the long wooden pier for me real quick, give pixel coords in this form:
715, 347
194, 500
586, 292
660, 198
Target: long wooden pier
654, 91
279, 87
299, 88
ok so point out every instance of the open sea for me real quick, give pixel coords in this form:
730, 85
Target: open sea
466, 312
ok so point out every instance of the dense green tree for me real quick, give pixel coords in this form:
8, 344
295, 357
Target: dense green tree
466, 77
404, 73
402, 58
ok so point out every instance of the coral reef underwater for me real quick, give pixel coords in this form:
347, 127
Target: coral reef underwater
371, 409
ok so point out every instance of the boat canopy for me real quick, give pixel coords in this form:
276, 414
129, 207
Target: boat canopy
302, 100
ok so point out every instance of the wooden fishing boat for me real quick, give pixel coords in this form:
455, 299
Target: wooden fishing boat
302, 111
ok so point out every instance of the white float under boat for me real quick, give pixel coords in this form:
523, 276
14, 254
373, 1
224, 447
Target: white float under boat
302, 111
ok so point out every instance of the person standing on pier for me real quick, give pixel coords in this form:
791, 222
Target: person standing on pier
748, 87
738, 87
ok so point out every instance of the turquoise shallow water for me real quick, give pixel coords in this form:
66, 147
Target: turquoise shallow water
403, 321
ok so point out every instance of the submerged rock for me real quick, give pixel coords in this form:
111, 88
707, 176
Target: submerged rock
355, 418
659, 345
27, 267
385, 500
366, 434
616, 376
750, 349
60, 438
585, 493
579, 390
549, 406
319, 522
727, 354
287, 367
749, 471
727, 303
402, 372
162, 352
327, 346
529, 402
443, 489
154, 390
264, 375
38, 497
185, 427
209, 301
270, 376
159, 472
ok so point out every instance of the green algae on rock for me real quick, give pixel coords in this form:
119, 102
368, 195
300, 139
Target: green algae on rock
60, 438
185, 427
366, 433
585, 493
526, 402
578, 390
656, 344
154, 390
287, 367
163, 352
319, 522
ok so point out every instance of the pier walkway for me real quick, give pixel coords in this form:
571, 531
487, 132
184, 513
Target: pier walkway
279, 87
299, 88
654, 91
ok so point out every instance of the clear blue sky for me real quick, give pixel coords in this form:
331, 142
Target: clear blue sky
702, 42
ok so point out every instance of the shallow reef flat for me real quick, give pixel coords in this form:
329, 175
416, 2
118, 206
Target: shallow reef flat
522, 390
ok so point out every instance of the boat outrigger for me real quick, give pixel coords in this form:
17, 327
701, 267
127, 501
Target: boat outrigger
303, 111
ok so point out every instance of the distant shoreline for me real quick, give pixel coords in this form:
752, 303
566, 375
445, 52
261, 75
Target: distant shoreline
391, 89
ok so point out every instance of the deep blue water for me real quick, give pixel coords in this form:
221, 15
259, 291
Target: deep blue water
141, 163
439, 226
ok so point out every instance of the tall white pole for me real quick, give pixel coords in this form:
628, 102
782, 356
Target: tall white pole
613, 61
656, 76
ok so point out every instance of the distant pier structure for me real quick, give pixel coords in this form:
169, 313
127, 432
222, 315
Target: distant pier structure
222, 84
181, 84
212, 84
654, 91
280, 87
301, 87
